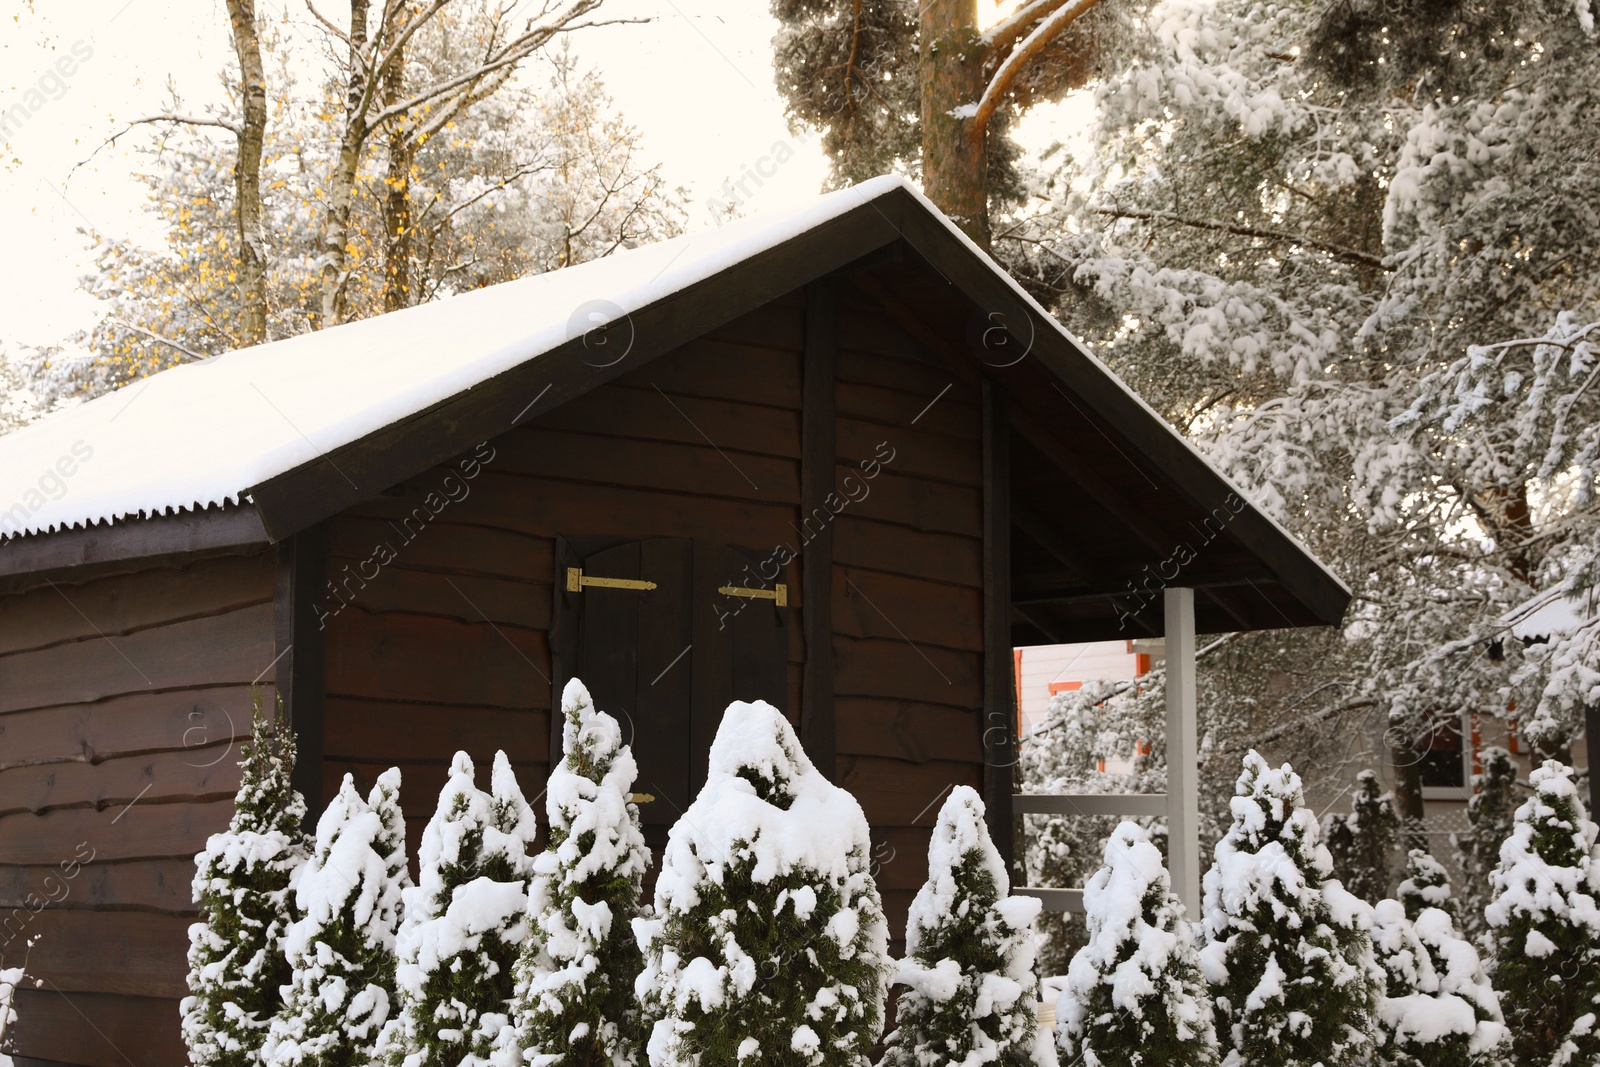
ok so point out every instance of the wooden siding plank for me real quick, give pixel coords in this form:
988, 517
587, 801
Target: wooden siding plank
893, 793
99, 1030
378, 730
465, 597
229, 649
398, 657
122, 603
646, 414
125, 726
906, 730
207, 772
879, 546
130, 952
870, 604
445, 546
900, 670
929, 412
138, 831
164, 885
753, 373
925, 455
702, 469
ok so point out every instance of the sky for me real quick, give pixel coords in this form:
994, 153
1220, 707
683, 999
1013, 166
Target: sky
696, 80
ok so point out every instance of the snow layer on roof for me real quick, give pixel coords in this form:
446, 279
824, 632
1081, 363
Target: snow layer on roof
199, 435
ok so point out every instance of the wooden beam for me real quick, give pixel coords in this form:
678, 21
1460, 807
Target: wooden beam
213, 529
999, 696
818, 448
1183, 750
300, 669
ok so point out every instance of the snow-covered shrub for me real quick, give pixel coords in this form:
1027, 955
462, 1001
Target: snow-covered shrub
1288, 963
242, 883
1362, 844
1490, 814
11, 979
1135, 996
464, 923
1546, 926
769, 942
1439, 1009
341, 949
575, 1002
970, 988
1426, 885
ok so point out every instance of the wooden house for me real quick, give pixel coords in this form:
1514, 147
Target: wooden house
836, 459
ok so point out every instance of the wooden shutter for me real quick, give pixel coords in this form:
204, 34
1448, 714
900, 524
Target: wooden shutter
666, 661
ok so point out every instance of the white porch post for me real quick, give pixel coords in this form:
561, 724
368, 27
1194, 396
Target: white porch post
1183, 798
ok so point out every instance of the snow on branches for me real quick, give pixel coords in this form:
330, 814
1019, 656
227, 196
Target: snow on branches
575, 1001
970, 987
1286, 953
1546, 927
769, 939
1135, 995
341, 949
1438, 1009
464, 922
242, 885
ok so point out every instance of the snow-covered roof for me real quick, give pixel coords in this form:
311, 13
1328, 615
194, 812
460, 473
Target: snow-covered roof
1550, 614
201, 434
262, 426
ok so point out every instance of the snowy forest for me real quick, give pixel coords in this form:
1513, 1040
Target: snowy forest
1349, 248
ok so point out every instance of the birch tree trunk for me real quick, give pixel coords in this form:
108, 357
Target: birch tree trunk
247, 173
342, 182
397, 238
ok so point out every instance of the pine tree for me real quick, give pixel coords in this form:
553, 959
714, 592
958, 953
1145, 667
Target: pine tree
1135, 996
464, 923
1491, 813
242, 885
1426, 885
1361, 845
575, 1001
1546, 927
769, 939
341, 950
1439, 1009
970, 987
1284, 955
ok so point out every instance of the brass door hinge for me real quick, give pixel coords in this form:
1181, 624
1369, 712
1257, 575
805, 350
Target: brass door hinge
576, 580
779, 593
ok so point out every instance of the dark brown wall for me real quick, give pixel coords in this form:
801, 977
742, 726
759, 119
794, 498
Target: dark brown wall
438, 640
470, 587
121, 703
